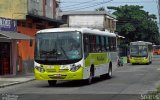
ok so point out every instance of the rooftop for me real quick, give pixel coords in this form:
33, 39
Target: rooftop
88, 13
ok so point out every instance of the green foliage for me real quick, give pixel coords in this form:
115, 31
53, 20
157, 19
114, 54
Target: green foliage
100, 9
136, 24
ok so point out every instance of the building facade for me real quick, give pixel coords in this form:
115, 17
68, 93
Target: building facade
8, 45
18, 9
92, 19
30, 16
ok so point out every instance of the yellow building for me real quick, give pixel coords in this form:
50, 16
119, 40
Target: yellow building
13, 9
28, 16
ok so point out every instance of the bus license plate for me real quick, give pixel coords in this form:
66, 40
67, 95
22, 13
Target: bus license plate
57, 75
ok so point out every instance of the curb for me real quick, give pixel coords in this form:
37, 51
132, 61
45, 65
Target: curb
15, 83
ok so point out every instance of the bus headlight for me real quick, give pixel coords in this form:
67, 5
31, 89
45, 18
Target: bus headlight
74, 67
40, 69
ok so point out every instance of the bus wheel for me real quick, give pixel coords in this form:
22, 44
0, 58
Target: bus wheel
109, 74
90, 79
52, 82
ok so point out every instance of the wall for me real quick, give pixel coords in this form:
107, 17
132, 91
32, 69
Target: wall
26, 52
110, 24
49, 8
13, 9
92, 21
18, 9
35, 7
14, 56
46, 8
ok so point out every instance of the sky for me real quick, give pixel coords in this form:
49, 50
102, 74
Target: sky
90, 5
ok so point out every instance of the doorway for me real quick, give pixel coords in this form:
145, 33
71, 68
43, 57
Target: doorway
5, 58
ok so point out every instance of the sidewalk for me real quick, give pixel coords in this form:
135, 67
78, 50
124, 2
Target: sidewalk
13, 80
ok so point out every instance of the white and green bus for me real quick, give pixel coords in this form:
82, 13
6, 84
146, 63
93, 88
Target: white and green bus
141, 52
74, 54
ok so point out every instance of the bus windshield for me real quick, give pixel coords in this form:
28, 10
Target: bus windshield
58, 47
138, 51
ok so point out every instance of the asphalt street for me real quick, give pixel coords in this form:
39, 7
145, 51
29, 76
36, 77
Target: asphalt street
130, 82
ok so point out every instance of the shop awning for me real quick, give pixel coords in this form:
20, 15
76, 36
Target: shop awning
14, 35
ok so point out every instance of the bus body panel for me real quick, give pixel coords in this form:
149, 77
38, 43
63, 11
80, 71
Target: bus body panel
99, 60
96, 59
140, 60
59, 72
78, 75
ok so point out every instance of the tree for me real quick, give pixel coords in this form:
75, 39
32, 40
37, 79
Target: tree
100, 9
136, 24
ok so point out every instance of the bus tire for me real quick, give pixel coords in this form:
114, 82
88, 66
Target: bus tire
109, 74
90, 79
133, 63
148, 63
52, 82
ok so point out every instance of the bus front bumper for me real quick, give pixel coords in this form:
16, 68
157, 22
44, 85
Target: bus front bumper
77, 75
139, 61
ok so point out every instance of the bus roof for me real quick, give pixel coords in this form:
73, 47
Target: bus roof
140, 43
83, 30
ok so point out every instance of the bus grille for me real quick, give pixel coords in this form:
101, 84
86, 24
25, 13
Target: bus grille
54, 70
63, 70
51, 70
60, 77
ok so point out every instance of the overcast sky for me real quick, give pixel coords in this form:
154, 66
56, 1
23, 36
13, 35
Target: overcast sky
91, 5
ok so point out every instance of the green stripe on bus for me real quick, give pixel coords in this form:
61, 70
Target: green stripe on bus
96, 59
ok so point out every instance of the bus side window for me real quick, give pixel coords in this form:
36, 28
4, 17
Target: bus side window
150, 47
103, 43
86, 45
92, 42
90, 45
114, 44
98, 44
107, 45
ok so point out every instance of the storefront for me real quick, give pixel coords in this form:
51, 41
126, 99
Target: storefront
8, 46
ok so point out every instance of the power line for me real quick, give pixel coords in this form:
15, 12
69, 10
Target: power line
91, 5
117, 2
136, 2
80, 3
98, 3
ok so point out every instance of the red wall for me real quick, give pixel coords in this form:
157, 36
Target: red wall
24, 46
26, 51
28, 27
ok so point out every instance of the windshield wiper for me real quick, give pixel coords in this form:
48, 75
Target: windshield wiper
64, 53
48, 54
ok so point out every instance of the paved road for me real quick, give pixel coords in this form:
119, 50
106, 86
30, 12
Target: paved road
129, 82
